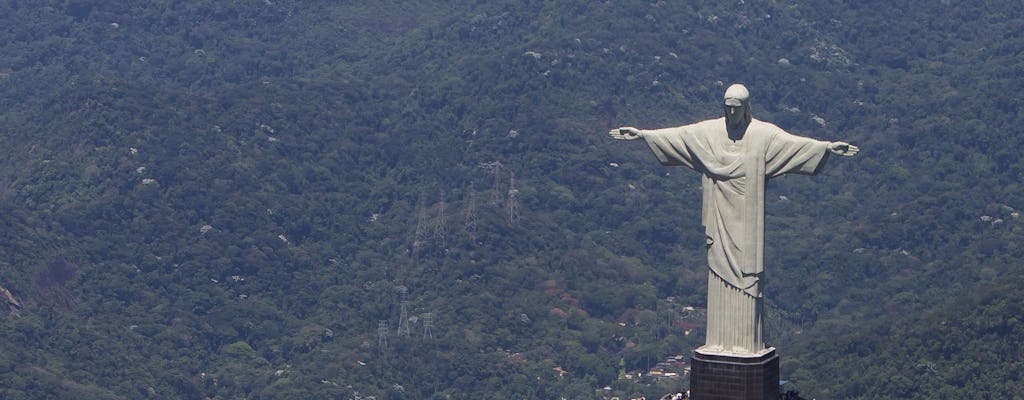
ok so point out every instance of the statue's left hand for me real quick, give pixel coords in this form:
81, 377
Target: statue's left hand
843, 148
626, 133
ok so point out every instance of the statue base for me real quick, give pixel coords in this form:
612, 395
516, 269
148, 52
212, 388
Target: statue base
721, 376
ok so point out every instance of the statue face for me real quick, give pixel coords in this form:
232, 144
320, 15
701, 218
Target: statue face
736, 116
737, 106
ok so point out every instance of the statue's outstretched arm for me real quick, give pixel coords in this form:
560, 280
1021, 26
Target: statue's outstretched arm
843, 148
626, 133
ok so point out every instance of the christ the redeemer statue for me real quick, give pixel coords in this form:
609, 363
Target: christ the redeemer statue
736, 155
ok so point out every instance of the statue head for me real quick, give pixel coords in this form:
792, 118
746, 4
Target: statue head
737, 106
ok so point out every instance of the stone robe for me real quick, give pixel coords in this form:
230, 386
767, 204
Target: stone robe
733, 175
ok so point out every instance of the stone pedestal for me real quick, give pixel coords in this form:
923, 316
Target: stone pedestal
724, 376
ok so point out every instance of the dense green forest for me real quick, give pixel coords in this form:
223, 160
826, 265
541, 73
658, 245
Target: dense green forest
275, 199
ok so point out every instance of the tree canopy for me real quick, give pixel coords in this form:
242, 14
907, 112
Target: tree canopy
283, 199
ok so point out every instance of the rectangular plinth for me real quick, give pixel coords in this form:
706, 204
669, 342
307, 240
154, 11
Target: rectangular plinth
725, 377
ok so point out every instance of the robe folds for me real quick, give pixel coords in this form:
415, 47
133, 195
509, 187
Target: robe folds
733, 178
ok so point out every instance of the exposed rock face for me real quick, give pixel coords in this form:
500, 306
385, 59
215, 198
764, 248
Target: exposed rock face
12, 302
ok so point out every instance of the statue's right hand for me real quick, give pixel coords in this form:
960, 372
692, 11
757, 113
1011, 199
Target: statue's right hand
625, 133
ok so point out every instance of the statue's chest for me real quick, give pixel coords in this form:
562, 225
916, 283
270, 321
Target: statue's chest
730, 152
727, 158
733, 147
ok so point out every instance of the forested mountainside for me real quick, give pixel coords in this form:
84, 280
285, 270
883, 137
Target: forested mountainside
407, 200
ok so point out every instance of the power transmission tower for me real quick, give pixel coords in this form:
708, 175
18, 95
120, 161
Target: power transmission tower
421, 225
513, 201
403, 318
428, 325
382, 334
471, 214
494, 168
635, 195
441, 226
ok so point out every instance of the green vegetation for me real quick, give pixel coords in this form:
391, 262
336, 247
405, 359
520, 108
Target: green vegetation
223, 199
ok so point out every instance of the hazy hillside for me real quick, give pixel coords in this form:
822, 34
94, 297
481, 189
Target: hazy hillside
229, 199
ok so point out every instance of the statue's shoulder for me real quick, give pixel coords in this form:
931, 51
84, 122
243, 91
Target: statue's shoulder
763, 124
765, 127
708, 125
